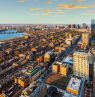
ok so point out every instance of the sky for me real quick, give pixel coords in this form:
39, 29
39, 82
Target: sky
46, 11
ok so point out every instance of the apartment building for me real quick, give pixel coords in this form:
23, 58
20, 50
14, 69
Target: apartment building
81, 65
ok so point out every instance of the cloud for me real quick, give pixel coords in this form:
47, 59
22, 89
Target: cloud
60, 12
40, 14
46, 10
36, 14
71, 6
34, 9
57, 11
21, 1
78, 0
92, 6
53, 11
48, 2
89, 12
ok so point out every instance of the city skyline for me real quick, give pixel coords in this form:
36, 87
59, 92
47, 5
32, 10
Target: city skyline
47, 11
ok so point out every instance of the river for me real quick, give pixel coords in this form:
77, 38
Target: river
10, 34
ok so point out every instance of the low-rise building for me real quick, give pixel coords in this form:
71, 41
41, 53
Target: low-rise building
64, 69
59, 68
56, 66
68, 95
75, 87
3, 95
22, 81
68, 60
49, 56
35, 90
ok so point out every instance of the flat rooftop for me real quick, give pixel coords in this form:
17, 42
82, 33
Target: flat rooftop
57, 80
68, 95
57, 63
74, 84
68, 60
83, 52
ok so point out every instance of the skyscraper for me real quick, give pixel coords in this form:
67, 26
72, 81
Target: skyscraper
84, 25
94, 80
81, 65
93, 27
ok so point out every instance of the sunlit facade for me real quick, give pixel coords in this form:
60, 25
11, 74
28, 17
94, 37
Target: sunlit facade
82, 61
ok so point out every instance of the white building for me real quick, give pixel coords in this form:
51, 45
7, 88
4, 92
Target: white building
75, 88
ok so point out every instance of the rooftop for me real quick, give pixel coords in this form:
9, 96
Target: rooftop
49, 52
68, 95
74, 84
68, 60
57, 80
81, 52
57, 63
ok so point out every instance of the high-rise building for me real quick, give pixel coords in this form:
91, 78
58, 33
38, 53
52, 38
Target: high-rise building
84, 25
94, 80
75, 88
85, 38
93, 27
81, 65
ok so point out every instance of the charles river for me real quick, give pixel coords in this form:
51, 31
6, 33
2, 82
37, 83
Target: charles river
10, 34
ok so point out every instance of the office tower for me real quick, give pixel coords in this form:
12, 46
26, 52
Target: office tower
81, 65
93, 27
84, 25
73, 26
85, 38
75, 88
94, 80
69, 26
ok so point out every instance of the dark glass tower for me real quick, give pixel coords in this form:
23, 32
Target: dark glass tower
93, 27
